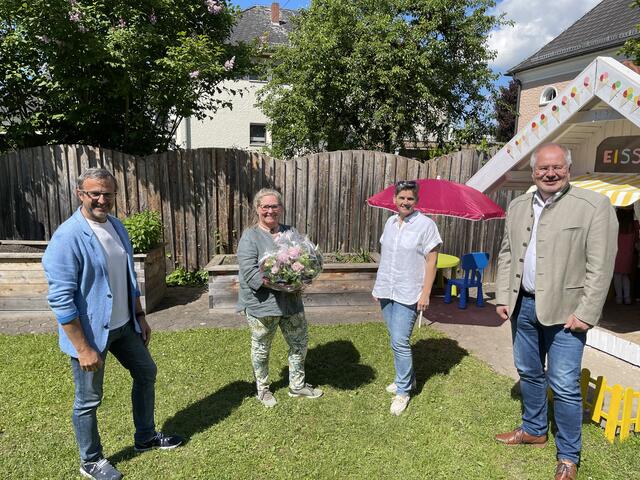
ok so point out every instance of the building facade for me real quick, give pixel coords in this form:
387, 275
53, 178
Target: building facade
245, 125
600, 32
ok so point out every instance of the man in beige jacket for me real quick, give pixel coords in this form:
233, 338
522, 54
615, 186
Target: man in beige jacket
555, 267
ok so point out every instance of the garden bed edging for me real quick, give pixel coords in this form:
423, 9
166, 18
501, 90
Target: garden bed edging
339, 285
23, 286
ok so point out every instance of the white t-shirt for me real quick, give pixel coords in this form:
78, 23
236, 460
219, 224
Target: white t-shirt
404, 248
116, 259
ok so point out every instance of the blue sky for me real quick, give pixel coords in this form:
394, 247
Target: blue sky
536, 22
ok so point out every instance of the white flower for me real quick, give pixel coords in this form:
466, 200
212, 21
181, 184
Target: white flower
228, 65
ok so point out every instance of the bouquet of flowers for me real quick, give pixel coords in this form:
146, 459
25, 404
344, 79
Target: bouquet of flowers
294, 263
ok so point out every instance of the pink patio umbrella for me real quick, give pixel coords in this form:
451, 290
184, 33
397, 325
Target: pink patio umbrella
442, 197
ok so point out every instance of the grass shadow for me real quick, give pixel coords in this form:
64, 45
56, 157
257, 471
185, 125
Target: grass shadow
335, 363
435, 356
200, 415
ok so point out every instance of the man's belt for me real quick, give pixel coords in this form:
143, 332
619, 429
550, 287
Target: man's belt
524, 293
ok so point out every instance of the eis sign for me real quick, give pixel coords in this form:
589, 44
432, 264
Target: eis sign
618, 155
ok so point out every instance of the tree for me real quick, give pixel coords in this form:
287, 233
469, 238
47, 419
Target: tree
505, 111
120, 74
371, 74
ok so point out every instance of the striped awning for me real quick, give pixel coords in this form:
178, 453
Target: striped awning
623, 189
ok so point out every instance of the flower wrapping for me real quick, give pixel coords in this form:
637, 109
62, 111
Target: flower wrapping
294, 263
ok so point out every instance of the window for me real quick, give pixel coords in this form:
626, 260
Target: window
257, 134
256, 78
547, 95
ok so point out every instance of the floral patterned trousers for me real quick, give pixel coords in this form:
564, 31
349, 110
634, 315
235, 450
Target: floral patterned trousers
294, 330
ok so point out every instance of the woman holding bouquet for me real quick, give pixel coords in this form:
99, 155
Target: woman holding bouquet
266, 308
407, 270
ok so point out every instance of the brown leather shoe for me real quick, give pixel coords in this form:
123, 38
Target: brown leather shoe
520, 437
566, 470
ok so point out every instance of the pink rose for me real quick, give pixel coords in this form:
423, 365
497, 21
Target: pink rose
275, 269
294, 252
297, 267
283, 257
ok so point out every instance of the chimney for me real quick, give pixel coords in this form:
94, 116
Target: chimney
275, 13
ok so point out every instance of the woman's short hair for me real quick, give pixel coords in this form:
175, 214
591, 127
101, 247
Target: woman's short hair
407, 185
97, 173
265, 192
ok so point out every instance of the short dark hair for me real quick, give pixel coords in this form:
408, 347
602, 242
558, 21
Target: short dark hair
407, 185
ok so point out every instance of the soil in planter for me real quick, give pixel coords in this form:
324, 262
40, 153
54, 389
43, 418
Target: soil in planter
21, 249
346, 258
326, 257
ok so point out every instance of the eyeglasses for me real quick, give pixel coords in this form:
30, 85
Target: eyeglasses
549, 169
269, 207
406, 184
97, 195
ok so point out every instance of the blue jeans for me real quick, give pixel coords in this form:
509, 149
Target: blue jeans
400, 319
532, 343
127, 346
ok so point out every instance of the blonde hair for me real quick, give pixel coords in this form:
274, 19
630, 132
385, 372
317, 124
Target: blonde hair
265, 192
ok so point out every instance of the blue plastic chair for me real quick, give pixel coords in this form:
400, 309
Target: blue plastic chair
472, 264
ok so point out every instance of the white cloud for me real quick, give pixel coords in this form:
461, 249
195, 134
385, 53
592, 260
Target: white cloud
535, 23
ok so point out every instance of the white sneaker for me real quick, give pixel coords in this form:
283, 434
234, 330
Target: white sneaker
266, 398
306, 391
399, 404
393, 388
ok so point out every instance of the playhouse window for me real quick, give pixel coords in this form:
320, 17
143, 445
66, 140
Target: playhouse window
547, 95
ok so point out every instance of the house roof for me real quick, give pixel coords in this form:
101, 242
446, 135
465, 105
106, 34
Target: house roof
604, 81
255, 22
607, 25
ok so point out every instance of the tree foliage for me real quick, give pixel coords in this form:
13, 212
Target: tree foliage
505, 111
371, 74
118, 74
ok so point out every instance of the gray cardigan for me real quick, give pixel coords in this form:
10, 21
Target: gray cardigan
253, 296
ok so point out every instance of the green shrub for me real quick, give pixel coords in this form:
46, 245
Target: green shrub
181, 277
145, 230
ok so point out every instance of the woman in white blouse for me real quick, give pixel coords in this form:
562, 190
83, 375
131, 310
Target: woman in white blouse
407, 269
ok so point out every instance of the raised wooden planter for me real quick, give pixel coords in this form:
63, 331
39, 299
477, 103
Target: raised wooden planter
339, 284
151, 275
23, 286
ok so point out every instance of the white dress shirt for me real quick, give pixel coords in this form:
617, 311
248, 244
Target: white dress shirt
404, 248
529, 268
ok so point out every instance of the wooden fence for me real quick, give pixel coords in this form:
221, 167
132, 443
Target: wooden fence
205, 195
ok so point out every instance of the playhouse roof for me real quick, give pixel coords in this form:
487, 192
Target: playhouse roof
605, 90
607, 25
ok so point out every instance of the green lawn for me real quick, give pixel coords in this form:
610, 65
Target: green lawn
205, 393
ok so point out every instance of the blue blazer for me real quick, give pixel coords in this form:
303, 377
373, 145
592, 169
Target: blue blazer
76, 271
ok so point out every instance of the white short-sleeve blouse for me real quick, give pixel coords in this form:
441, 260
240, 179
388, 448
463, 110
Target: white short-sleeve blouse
404, 247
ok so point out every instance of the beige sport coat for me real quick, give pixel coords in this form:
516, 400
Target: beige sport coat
577, 241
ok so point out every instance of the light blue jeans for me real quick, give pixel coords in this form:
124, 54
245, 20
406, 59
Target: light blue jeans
400, 319
562, 349
127, 346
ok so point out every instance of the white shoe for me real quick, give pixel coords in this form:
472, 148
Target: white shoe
399, 404
266, 398
306, 391
393, 388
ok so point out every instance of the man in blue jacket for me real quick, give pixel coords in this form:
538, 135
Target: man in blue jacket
94, 296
